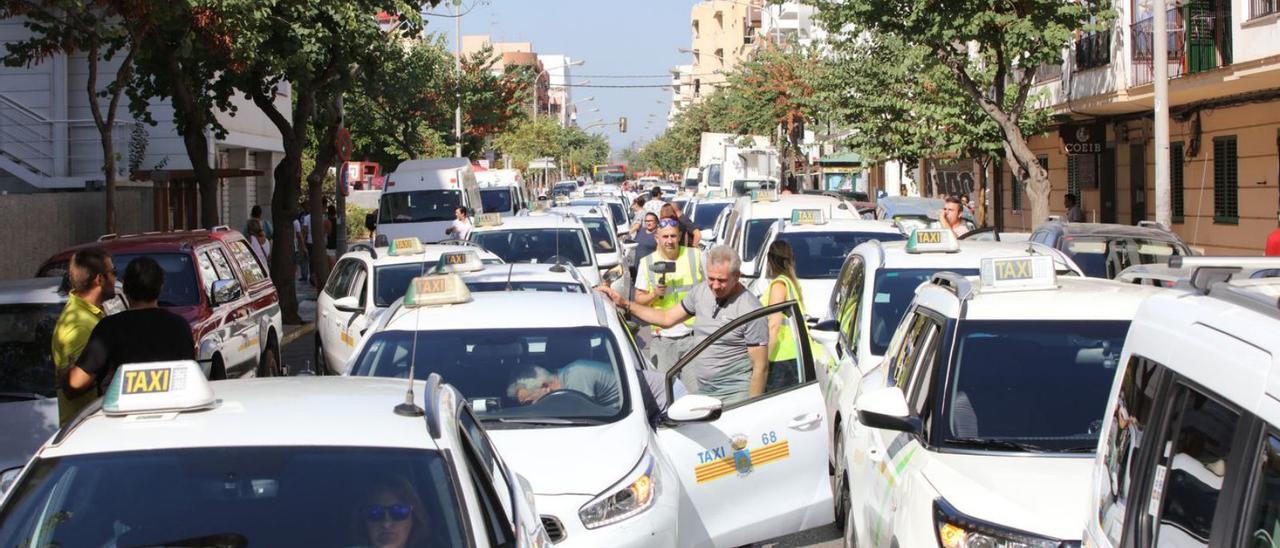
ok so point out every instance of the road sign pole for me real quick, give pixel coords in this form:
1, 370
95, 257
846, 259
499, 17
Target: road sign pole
342, 145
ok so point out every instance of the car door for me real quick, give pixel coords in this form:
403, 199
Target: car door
240, 335
759, 470
332, 323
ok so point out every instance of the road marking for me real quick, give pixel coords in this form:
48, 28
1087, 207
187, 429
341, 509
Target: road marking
298, 333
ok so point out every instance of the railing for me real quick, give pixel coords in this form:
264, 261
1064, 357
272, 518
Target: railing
1199, 40
1260, 8
31, 140
1093, 50
1048, 72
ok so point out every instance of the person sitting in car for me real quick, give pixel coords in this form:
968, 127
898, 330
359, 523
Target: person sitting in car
593, 379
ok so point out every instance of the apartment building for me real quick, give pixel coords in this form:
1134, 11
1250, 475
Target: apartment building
681, 91
516, 54
1224, 104
724, 32
559, 103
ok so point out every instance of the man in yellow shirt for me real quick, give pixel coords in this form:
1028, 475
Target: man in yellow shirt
93, 282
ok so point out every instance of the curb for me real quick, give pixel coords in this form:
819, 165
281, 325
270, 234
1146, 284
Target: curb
302, 330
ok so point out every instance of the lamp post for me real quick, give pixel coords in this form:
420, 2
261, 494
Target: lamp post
457, 67
538, 78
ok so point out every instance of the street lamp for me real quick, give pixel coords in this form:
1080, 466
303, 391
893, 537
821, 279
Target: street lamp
538, 78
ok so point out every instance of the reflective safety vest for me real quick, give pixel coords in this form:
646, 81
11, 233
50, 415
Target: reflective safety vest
786, 348
679, 283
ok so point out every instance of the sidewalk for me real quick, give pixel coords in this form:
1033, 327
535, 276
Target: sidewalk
307, 309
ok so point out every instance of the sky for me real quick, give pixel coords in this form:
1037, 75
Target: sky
614, 37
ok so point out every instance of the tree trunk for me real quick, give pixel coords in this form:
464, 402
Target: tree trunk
106, 124
284, 198
195, 119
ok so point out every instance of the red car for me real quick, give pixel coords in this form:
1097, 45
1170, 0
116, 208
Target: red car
213, 279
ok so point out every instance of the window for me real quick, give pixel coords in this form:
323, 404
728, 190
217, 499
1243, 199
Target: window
1259, 8
1093, 49
253, 271
1133, 413
221, 265
1175, 179
207, 274
849, 308
1264, 512
1226, 199
340, 279
1198, 442
908, 335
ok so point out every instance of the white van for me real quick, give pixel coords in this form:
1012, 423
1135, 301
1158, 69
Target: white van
419, 198
1189, 449
502, 191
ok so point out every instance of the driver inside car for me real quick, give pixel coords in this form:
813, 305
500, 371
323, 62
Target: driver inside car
595, 380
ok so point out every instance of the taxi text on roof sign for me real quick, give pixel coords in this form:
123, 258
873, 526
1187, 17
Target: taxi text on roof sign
932, 240
1017, 273
764, 195
807, 217
158, 387
488, 219
436, 290
405, 246
459, 261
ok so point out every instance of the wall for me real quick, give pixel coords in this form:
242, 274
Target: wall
41, 224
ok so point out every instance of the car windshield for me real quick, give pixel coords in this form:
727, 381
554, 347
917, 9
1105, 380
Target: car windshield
821, 254
180, 287
234, 497
536, 245
26, 366
511, 376
894, 290
391, 281
618, 212
517, 285
1031, 385
1101, 257
601, 234
419, 206
495, 200
704, 215
757, 229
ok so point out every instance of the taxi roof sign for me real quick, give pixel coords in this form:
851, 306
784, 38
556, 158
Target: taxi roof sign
764, 195
1018, 273
808, 217
158, 387
436, 290
488, 219
932, 240
400, 247
459, 261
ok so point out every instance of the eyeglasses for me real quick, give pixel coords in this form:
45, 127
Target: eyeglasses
397, 512
668, 223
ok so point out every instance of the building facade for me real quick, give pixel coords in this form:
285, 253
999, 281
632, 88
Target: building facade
1224, 105
559, 103
724, 32
514, 54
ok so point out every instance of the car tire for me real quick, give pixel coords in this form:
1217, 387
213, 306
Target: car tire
850, 531
321, 368
217, 371
269, 362
841, 497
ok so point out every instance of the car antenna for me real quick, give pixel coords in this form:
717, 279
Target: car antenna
556, 267
510, 270
409, 408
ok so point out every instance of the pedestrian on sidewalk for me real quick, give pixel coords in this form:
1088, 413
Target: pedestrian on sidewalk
331, 234
115, 341
93, 282
255, 213
259, 242
302, 243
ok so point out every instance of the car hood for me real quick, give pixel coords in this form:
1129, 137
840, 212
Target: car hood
576, 460
1041, 495
24, 427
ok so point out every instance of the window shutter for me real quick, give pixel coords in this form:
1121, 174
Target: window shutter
1175, 180
1226, 202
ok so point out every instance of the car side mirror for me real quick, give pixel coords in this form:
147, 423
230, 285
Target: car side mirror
825, 332
749, 269
694, 408
348, 304
886, 409
708, 234
224, 291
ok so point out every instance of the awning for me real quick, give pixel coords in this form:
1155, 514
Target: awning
843, 159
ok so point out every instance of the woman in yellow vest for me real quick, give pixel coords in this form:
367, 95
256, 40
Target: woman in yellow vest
780, 262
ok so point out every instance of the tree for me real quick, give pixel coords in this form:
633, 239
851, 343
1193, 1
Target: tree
989, 48
67, 27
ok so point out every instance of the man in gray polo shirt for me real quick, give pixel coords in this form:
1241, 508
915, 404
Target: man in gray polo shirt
734, 367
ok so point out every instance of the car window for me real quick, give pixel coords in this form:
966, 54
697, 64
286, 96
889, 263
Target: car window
181, 288
908, 353
220, 264
358, 286
26, 334
418, 206
756, 231
819, 255
1263, 523
1198, 444
602, 234
495, 200
893, 291
340, 278
848, 300
208, 274
253, 271
537, 245
1132, 414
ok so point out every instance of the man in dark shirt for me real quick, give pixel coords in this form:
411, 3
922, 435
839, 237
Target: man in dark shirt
144, 333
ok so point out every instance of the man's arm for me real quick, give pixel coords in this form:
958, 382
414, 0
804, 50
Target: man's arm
645, 291
660, 318
759, 369
697, 237
79, 377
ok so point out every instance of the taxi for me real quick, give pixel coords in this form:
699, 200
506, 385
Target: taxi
820, 246
704, 212
362, 284
752, 217
979, 427
567, 399
539, 237
167, 458
601, 228
1191, 429
619, 209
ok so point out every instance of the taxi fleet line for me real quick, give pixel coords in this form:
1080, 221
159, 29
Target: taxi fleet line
927, 374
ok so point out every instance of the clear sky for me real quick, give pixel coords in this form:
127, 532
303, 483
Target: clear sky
614, 37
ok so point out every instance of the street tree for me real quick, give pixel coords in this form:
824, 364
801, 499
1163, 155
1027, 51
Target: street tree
70, 27
990, 49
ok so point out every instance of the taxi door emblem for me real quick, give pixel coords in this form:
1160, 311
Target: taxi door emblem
741, 456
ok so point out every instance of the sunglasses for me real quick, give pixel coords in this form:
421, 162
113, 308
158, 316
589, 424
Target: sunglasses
397, 512
668, 223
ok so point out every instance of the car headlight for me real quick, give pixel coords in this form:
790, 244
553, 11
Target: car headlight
629, 497
956, 530
7, 478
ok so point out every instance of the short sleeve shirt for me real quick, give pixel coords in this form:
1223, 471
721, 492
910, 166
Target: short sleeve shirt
710, 314
70, 336
115, 342
594, 379
461, 229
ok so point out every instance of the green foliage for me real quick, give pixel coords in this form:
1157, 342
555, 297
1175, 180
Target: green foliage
540, 136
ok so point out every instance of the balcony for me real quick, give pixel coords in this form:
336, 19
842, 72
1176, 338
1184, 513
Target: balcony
1093, 50
1263, 8
1199, 40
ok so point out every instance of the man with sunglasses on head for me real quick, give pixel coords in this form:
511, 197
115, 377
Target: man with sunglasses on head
665, 291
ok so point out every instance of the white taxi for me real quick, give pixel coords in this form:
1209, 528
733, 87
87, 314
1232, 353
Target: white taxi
820, 246
979, 427
1191, 434
704, 214
539, 237
600, 226
167, 458
363, 283
561, 390
752, 216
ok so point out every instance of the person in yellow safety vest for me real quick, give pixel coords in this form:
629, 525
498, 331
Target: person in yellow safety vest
784, 360
665, 291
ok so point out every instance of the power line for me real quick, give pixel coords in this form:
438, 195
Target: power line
616, 86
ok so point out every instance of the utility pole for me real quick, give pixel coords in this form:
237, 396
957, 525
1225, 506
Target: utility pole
1160, 35
457, 65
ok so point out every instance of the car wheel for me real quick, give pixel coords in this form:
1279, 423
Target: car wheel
841, 498
321, 368
217, 371
269, 364
850, 532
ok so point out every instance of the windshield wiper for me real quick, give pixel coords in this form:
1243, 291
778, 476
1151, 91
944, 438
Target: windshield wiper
543, 421
992, 443
217, 540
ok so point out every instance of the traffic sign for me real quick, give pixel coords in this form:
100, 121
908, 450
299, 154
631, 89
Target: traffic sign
342, 144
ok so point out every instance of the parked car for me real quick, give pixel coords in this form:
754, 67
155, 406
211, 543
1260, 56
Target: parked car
213, 280
1103, 250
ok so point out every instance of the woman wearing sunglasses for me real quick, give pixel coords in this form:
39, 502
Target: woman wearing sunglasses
392, 516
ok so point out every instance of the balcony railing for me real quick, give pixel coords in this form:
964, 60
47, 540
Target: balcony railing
1260, 8
1093, 50
1199, 40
